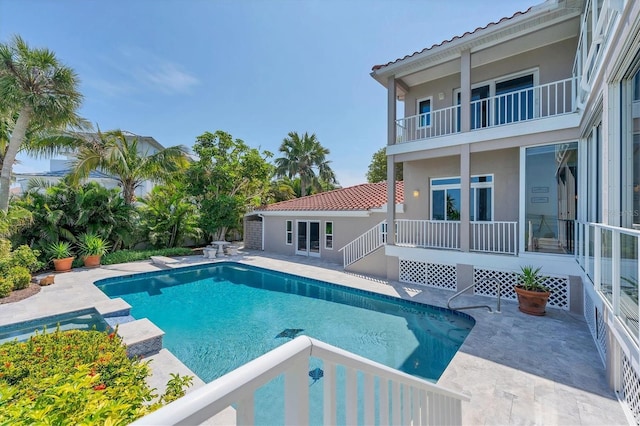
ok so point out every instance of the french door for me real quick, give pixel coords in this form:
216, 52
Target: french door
308, 241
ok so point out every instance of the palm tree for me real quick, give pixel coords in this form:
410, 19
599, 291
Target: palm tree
39, 92
302, 156
117, 154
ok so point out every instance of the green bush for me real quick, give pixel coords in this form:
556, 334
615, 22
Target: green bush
25, 256
20, 276
124, 256
76, 377
6, 285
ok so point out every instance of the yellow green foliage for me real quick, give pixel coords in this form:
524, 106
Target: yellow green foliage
76, 377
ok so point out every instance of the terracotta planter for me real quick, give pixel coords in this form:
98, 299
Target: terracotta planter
532, 302
92, 261
63, 265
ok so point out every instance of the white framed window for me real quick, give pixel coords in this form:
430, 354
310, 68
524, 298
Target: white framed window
445, 198
423, 106
289, 232
328, 235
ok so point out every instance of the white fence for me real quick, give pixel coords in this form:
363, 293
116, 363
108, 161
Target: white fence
401, 399
494, 237
428, 233
545, 100
366, 243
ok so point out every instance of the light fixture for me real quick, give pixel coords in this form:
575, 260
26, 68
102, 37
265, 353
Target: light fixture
441, 96
416, 193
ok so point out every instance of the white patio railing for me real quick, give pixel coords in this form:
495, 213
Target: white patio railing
494, 237
610, 257
545, 100
428, 233
366, 243
440, 122
391, 396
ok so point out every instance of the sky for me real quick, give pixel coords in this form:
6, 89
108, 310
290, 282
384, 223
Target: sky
257, 69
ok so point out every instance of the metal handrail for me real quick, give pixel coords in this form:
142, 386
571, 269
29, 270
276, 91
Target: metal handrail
477, 306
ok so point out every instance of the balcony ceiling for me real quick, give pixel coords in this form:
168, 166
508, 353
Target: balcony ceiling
518, 34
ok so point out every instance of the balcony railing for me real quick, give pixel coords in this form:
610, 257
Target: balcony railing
609, 256
359, 389
546, 100
494, 237
428, 233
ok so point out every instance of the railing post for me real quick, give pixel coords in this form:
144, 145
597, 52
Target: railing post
597, 258
615, 271
296, 393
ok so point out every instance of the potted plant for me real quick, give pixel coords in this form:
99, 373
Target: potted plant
92, 247
60, 253
532, 294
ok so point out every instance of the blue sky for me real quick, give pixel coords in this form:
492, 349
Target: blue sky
257, 69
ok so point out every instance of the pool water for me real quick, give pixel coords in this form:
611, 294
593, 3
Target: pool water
218, 317
80, 320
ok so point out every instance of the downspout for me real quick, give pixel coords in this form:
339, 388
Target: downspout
261, 216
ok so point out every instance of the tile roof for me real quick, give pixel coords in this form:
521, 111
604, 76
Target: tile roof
360, 197
506, 18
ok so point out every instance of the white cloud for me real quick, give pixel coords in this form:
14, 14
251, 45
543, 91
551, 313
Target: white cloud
166, 77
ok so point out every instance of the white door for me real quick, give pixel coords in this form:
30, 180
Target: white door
308, 238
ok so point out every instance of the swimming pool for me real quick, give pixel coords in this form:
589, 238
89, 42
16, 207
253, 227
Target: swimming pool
218, 317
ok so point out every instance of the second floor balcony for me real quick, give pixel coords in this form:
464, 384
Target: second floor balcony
532, 103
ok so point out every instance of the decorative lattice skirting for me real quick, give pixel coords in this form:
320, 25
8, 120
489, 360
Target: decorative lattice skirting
601, 332
631, 388
485, 281
430, 274
597, 327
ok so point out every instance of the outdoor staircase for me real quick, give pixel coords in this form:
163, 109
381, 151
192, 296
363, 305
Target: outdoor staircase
365, 244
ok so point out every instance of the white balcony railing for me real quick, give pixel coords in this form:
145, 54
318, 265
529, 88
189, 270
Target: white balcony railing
546, 100
494, 237
609, 256
428, 233
366, 243
390, 395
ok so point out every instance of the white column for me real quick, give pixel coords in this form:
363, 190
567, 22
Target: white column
465, 195
391, 166
465, 91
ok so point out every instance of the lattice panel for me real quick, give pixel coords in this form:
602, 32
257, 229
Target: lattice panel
631, 388
486, 286
442, 276
601, 332
413, 272
485, 281
590, 315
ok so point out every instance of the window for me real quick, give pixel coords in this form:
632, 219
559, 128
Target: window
328, 235
289, 232
424, 109
445, 198
514, 102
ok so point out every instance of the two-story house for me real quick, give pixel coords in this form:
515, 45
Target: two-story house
520, 146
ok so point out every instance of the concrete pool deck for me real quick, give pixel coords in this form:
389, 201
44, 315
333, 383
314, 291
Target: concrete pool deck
517, 369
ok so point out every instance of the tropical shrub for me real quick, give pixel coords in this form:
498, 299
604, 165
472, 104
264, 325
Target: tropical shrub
76, 377
6, 285
20, 277
25, 256
125, 256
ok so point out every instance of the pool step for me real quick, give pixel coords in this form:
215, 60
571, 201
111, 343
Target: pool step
142, 337
113, 308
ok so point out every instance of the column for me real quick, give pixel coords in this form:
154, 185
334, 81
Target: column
465, 195
465, 91
391, 166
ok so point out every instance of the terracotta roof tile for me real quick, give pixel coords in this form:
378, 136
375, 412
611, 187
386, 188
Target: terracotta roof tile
506, 18
360, 197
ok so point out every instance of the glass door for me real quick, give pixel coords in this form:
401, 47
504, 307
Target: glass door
308, 238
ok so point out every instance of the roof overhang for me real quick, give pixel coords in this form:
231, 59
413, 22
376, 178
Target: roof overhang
542, 25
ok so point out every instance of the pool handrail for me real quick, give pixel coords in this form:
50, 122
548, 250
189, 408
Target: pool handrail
422, 402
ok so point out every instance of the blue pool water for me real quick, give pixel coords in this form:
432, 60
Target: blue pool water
87, 319
218, 317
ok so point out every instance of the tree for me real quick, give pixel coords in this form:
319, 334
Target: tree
302, 156
39, 92
228, 179
118, 154
378, 168
168, 217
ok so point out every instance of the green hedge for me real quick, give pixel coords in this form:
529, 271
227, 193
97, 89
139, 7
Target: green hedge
124, 256
76, 377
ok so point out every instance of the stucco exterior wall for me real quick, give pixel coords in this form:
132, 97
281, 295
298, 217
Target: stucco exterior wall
503, 164
554, 62
345, 230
